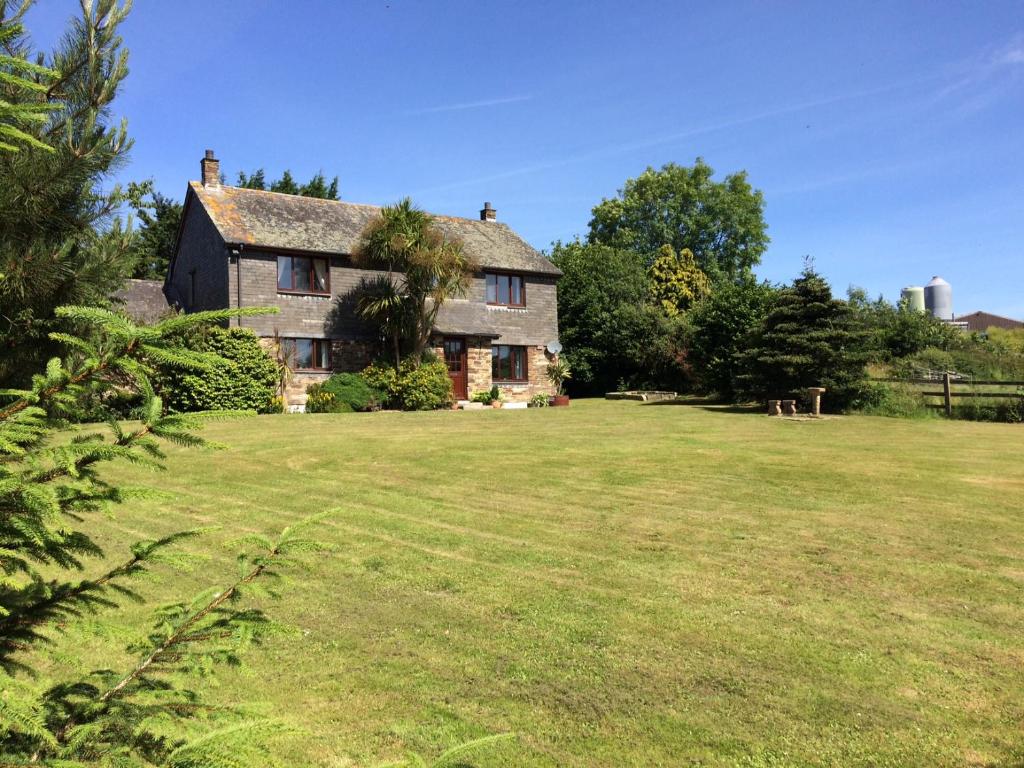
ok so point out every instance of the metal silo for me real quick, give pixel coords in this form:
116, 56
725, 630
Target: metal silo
938, 298
914, 296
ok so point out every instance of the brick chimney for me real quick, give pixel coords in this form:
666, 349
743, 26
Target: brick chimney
211, 169
487, 213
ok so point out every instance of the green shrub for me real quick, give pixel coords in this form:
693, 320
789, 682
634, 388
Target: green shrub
484, 396
1007, 410
539, 400
896, 400
246, 379
425, 388
353, 390
412, 388
320, 400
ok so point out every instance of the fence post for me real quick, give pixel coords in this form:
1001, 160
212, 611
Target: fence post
946, 392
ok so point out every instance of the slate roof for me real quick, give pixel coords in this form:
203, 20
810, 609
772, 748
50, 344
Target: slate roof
982, 321
274, 220
465, 318
142, 300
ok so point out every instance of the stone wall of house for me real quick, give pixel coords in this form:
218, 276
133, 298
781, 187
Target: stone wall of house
478, 362
347, 356
536, 372
202, 257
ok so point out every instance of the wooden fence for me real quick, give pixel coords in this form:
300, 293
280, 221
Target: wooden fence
950, 383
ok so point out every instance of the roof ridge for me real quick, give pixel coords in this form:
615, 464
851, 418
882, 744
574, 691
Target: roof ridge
346, 202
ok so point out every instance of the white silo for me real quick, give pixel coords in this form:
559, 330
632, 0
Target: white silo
938, 298
913, 295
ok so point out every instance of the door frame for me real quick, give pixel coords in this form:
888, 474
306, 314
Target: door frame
463, 393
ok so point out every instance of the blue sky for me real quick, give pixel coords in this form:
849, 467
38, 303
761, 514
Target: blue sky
886, 137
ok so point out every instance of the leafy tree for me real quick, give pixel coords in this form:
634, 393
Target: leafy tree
718, 327
806, 339
611, 333
721, 223
676, 280
897, 331
160, 218
423, 266
51, 488
60, 242
315, 187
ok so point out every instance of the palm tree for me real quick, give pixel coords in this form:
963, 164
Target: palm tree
380, 301
424, 268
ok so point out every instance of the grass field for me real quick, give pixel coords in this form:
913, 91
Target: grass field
625, 585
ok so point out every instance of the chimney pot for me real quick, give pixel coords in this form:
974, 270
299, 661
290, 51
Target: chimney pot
210, 166
487, 213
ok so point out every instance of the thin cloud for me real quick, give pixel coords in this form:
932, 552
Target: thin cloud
670, 138
469, 105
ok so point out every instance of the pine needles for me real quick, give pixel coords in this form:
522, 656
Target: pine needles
50, 490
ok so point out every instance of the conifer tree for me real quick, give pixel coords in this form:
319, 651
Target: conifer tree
807, 339
60, 242
315, 187
159, 219
22, 84
676, 281
137, 714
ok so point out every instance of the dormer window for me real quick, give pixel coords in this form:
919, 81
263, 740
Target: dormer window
505, 290
303, 274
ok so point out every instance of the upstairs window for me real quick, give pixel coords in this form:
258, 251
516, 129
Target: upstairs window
307, 354
508, 363
303, 274
505, 290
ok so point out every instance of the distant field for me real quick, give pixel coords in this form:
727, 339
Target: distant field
626, 585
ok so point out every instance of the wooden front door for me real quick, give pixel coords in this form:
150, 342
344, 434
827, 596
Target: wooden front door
455, 359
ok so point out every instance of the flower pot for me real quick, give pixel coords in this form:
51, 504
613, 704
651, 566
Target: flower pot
560, 400
496, 404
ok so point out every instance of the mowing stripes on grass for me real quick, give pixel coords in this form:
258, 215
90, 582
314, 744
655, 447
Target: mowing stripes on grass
621, 584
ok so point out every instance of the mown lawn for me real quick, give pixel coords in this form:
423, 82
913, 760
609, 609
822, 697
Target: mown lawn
624, 584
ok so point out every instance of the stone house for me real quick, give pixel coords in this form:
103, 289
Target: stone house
248, 248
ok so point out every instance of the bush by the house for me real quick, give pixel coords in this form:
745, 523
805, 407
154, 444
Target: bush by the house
540, 400
320, 400
425, 387
245, 380
343, 393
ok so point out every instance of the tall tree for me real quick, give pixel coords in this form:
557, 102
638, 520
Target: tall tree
422, 265
611, 331
315, 187
717, 329
60, 241
720, 222
153, 248
807, 339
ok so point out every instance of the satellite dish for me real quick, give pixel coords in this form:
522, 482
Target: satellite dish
554, 347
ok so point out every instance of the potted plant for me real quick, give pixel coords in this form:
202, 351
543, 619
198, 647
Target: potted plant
558, 373
495, 397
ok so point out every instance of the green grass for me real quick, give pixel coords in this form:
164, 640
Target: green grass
624, 584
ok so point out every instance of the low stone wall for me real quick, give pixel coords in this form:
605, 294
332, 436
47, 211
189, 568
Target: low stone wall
644, 396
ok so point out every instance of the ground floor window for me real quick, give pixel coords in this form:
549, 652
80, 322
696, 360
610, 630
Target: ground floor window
307, 354
508, 363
